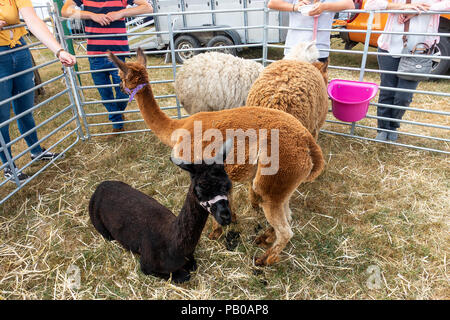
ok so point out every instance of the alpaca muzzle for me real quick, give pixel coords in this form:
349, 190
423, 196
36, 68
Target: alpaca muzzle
222, 213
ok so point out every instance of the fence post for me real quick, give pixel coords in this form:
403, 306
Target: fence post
71, 80
9, 159
245, 6
64, 29
63, 43
364, 57
366, 45
265, 33
174, 61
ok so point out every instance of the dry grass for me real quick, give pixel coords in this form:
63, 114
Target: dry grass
373, 205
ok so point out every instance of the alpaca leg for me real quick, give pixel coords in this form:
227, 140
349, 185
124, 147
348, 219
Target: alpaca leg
288, 212
180, 276
191, 264
148, 270
100, 227
266, 239
216, 230
277, 218
255, 199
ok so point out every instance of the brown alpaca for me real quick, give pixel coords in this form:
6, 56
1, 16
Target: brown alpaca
300, 158
296, 87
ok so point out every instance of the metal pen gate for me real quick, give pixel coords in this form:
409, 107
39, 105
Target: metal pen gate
73, 111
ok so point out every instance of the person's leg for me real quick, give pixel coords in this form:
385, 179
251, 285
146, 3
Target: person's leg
6, 69
401, 99
22, 61
5, 112
103, 78
386, 96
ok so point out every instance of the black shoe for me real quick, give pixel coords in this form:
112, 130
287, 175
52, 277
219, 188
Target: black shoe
10, 175
46, 155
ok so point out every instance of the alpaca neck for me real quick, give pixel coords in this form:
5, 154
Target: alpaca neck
189, 224
154, 117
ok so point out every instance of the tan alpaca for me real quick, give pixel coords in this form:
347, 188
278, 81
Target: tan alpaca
296, 87
300, 158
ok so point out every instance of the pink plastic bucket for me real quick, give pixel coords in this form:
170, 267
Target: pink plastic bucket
350, 99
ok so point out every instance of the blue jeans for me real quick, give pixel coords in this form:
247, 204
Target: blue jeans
105, 77
9, 64
392, 97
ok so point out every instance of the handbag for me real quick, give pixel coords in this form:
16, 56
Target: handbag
416, 64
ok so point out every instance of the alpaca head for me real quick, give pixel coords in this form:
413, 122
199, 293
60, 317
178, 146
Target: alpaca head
303, 51
132, 74
210, 184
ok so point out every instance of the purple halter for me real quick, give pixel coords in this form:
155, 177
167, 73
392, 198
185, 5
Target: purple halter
135, 90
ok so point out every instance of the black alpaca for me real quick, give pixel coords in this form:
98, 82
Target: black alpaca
165, 242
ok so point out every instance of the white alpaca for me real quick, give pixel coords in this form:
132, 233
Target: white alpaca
214, 81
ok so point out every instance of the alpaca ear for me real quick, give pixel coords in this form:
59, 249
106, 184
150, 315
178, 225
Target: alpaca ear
312, 52
119, 63
224, 150
187, 166
310, 45
141, 58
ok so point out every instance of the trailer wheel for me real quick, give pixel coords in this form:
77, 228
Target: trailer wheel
440, 66
185, 42
220, 41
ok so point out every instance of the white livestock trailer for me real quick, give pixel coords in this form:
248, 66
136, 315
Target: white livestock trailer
224, 23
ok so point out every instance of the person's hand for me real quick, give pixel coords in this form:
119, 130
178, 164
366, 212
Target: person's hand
66, 59
2, 24
115, 15
318, 8
402, 18
300, 4
419, 7
101, 19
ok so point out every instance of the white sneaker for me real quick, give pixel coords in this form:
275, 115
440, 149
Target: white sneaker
10, 175
381, 136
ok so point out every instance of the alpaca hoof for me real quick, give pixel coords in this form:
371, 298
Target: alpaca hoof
180, 276
262, 242
266, 239
261, 261
191, 265
215, 234
267, 259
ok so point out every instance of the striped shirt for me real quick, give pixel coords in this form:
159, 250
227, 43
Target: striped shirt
99, 45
